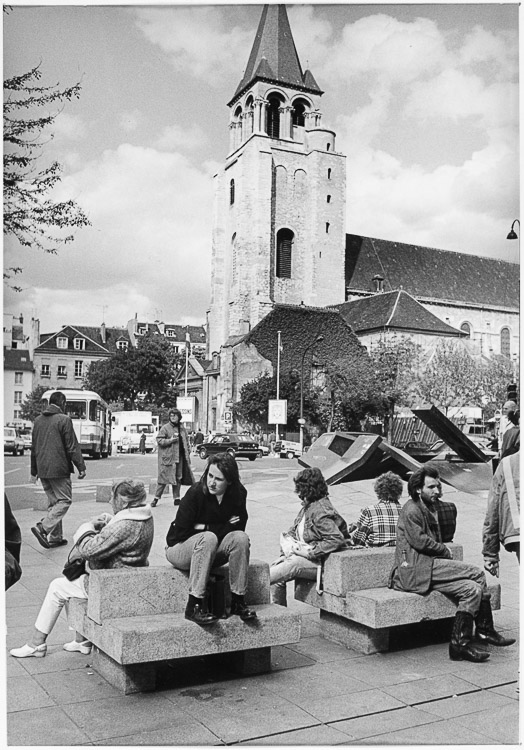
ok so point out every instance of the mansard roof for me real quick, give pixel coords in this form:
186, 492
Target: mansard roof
92, 335
430, 274
274, 56
17, 359
395, 310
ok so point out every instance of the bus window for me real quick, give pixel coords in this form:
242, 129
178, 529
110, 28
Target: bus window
76, 409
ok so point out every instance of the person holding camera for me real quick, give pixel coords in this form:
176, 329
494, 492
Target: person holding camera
107, 541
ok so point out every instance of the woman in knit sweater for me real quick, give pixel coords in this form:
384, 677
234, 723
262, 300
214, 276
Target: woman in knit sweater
108, 541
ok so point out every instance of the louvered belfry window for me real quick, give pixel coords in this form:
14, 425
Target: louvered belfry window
284, 252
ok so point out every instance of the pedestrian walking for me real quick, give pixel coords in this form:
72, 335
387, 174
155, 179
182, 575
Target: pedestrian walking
142, 444
424, 563
54, 451
107, 541
502, 521
209, 531
174, 458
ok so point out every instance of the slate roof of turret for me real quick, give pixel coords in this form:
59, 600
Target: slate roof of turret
274, 56
430, 274
395, 310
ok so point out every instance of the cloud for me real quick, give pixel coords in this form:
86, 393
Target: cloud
131, 121
174, 137
196, 40
69, 127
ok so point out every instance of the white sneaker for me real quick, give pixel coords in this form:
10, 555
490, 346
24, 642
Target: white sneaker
84, 647
24, 651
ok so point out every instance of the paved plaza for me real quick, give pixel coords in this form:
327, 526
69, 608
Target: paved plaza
318, 693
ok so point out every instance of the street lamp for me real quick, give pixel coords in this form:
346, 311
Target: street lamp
302, 421
512, 234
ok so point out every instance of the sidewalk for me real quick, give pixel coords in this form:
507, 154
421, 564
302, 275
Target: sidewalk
318, 693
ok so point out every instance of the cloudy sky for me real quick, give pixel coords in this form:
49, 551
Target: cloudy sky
424, 100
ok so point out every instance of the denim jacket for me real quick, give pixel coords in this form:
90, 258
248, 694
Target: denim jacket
324, 528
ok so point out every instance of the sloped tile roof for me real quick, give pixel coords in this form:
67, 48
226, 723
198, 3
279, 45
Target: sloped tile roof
274, 56
17, 359
396, 310
429, 273
92, 335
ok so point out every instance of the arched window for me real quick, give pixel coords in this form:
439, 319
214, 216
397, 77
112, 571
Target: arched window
329, 173
466, 328
273, 117
298, 113
328, 147
231, 192
505, 342
284, 251
328, 199
327, 227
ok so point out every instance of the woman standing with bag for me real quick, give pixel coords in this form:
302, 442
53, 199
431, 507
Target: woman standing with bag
108, 541
317, 530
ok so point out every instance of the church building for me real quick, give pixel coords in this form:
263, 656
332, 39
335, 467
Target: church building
279, 238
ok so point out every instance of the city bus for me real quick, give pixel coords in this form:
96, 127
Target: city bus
91, 419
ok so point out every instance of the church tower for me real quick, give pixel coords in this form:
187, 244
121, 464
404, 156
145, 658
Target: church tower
279, 214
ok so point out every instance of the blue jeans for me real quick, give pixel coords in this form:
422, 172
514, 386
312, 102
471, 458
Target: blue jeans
202, 552
287, 569
461, 581
59, 493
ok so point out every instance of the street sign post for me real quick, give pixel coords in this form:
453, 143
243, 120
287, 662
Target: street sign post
186, 405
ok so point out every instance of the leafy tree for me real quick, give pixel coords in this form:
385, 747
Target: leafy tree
32, 406
140, 377
30, 214
452, 377
497, 374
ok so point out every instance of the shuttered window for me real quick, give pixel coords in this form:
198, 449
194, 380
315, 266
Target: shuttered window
284, 253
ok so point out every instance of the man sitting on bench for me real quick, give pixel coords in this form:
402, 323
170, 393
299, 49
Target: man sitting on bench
424, 563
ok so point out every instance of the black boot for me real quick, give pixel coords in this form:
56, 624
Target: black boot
485, 629
460, 646
238, 607
196, 612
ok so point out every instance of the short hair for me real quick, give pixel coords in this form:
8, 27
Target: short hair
310, 485
225, 463
514, 417
417, 479
58, 398
175, 411
132, 489
389, 487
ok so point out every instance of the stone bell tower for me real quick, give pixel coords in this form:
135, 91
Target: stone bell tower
279, 214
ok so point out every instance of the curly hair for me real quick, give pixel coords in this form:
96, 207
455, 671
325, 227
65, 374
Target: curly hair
132, 490
177, 412
417, 479
388, 487
310, 485
227, 465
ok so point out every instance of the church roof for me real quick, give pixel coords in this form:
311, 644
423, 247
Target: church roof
274, 56
428, 273
396, 310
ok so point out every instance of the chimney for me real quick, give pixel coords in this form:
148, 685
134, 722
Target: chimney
103, 333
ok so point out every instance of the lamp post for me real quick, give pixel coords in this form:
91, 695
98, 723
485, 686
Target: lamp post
302, 421
512, 235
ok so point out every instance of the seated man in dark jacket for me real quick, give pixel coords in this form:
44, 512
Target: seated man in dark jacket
208, 531
423, 563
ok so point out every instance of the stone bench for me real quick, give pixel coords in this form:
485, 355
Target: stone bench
359, 611
135, 619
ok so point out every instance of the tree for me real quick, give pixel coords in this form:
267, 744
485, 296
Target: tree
452, 377
138, 377
30, 214
32, 406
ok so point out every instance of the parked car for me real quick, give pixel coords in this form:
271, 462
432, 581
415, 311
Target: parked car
288, 449
26, 435
12, 442
263, 450
235, 445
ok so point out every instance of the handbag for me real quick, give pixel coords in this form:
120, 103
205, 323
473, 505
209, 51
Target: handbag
74, 567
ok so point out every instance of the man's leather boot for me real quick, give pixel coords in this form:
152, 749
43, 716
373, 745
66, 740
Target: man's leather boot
239, 607
485, 628
460, 647
196, 612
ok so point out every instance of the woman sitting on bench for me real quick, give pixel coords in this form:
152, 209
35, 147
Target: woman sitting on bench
317, 530
107, 541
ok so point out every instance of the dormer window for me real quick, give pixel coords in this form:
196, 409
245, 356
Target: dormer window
170, 333
79, 344
61, 342
124, 345
141, 330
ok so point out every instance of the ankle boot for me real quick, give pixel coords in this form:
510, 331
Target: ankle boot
485, 629
239, 607
460, 646
196, 612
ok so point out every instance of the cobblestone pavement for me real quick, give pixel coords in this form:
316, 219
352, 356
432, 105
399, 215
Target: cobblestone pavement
318, 692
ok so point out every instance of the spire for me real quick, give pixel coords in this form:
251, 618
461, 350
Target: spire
274, 56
